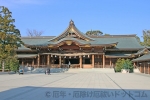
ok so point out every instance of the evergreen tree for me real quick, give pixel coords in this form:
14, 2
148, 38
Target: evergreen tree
123, 64
9, 36
146, 38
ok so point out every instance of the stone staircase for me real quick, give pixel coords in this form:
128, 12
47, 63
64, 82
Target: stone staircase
73, 70
52, 70
99, 70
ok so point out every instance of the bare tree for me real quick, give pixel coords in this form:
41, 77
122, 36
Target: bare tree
34, 33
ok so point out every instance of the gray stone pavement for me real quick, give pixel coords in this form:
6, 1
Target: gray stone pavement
75, 86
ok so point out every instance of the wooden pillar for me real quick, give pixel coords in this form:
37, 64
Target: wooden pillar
22, 63
80, 61
140, 68
93, 61
48, 60
144, 68
110, 62
38, 60
148, 69
60, 61
103, 60
32, 62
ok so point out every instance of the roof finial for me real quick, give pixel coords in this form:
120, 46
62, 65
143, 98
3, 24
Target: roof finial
71, 22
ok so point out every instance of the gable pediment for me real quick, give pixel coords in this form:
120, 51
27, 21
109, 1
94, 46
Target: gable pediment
72, 32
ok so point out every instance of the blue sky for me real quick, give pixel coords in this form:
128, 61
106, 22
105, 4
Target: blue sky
53, 16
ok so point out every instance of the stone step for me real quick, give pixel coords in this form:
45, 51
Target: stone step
101, 70
74, 70
52, 70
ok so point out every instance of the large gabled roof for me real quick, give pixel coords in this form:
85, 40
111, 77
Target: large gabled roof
119, 42
122, 43
125, 42
72, 29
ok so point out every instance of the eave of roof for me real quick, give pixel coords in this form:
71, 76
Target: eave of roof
80, 42
117, 55
145, 57
141, 52
26, 55
23, 48
123, 49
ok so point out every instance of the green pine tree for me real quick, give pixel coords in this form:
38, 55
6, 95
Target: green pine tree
123, 64
9, 36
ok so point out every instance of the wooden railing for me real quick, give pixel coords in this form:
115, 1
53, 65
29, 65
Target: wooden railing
71, 66
55, 66
98, 66
75, 66
101, 66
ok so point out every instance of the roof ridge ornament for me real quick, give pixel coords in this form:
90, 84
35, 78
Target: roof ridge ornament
71, 22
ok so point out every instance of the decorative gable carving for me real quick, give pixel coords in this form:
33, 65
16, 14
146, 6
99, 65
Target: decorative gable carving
72, 32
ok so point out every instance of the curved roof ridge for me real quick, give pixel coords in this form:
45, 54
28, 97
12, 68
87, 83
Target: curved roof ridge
70, 39
72, 27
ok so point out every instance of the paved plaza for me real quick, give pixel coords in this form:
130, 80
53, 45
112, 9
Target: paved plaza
75, 86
